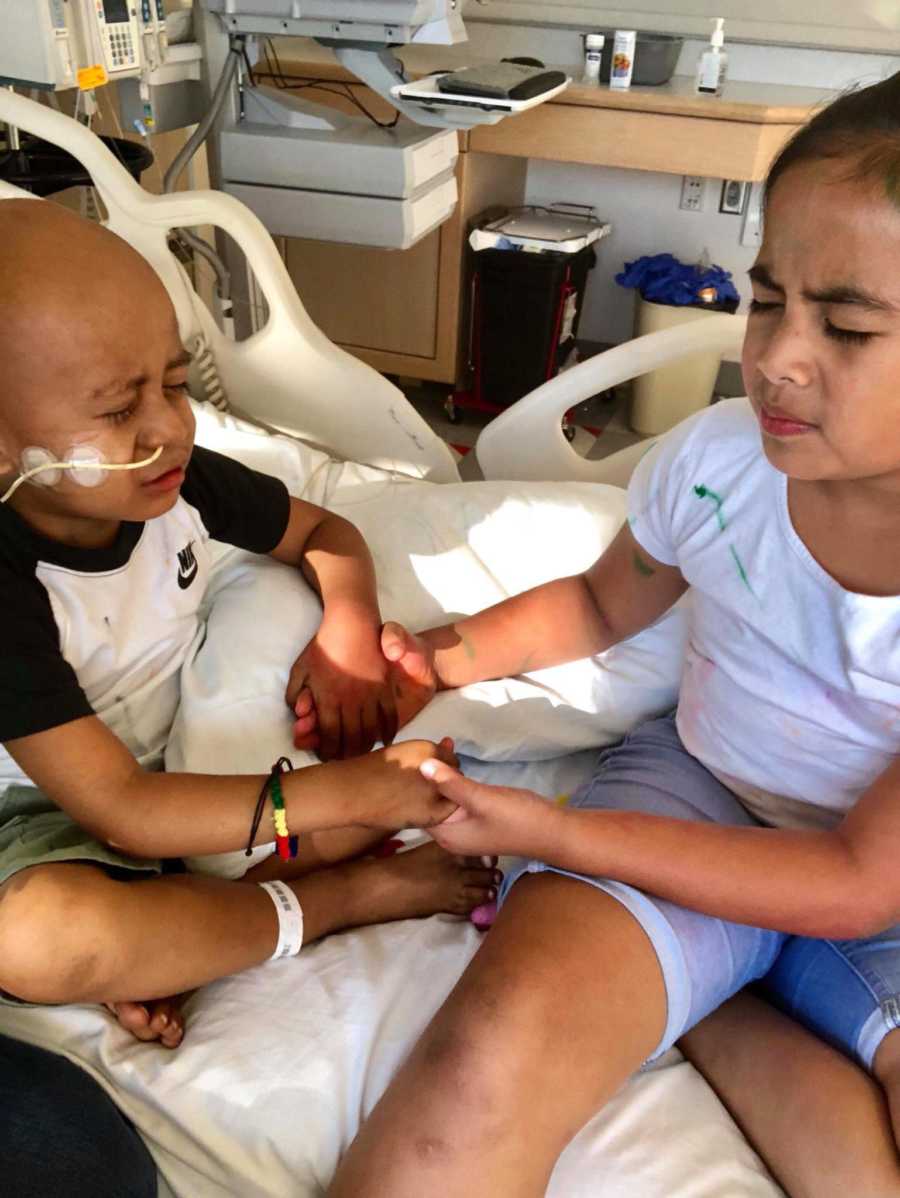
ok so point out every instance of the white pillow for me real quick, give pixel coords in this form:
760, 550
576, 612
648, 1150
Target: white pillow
439, 550
306, 472
454, 549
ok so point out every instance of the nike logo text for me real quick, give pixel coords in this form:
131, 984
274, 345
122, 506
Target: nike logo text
187, 566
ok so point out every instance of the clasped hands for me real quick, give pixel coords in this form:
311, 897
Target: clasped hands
354, 685
349, 690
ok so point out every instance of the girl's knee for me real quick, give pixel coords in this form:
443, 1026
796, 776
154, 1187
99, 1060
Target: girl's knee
52, 932
886, 1068
886, 1065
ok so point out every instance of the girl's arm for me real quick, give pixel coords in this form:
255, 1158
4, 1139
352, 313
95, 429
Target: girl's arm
840, 884
624, 591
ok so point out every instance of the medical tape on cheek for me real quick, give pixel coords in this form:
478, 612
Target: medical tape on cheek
84, 465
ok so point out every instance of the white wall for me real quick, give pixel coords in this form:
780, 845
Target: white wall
642, 206
872, 25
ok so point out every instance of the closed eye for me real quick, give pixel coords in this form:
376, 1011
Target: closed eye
120, 416
763, 305
847, 336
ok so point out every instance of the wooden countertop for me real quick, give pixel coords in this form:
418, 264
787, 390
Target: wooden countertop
756, 103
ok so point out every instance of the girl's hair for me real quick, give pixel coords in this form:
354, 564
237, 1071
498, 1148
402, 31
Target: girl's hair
861, 128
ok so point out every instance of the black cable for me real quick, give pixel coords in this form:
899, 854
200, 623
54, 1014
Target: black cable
306, 83
270, 45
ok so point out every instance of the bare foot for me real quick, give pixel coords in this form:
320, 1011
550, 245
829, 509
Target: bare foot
160, 1019
426, 881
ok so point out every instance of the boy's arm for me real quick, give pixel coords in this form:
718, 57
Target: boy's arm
343, 666
87, 771
839, 884
624, 591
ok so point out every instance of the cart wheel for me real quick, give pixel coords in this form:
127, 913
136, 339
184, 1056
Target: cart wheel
454, 415
569, 432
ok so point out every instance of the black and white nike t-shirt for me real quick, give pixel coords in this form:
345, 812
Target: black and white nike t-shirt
105, 631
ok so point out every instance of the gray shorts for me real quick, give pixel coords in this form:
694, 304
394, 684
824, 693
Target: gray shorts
33, 831
847, 991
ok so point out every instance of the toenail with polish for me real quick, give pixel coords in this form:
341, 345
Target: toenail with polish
492, 894
498, 876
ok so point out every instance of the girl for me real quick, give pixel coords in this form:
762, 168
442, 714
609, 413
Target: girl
754, 834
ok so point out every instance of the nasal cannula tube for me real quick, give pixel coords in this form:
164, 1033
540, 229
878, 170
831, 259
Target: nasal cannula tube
84, 464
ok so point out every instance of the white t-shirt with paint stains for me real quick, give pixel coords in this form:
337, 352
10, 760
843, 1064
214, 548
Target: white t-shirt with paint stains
791, 684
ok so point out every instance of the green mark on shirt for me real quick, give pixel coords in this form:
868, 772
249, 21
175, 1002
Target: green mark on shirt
743, 573
705, 493
641, 566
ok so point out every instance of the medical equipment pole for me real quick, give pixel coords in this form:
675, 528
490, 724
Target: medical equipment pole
187, 152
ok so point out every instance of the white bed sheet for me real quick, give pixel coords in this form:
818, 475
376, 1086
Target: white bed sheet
282, 1062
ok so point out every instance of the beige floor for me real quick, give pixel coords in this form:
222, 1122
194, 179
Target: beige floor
610, 417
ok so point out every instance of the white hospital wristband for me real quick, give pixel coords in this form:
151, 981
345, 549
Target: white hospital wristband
290, 919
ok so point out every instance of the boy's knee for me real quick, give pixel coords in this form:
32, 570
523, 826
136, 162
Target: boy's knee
51, 933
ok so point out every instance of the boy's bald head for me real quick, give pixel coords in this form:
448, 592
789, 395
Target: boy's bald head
54, 262
74, 298
47, 251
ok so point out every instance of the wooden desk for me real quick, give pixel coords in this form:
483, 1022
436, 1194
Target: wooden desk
668, 129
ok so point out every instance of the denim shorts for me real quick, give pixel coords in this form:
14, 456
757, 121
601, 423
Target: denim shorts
846, 991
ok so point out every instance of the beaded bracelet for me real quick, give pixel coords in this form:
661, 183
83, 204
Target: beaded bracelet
285, 844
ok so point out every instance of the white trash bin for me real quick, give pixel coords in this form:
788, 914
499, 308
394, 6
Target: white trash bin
664, 397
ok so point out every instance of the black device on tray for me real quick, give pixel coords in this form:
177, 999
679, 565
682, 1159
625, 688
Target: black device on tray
501, 81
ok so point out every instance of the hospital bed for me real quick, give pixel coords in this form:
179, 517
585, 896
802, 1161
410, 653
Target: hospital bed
282, 1062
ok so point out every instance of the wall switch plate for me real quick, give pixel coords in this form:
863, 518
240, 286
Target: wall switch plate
733, 197
692, 188
752, 228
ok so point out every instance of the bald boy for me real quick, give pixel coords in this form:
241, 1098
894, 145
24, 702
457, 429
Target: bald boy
100, 588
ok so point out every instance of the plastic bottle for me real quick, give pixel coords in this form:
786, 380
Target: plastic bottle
622, 59
712, 64
593, 47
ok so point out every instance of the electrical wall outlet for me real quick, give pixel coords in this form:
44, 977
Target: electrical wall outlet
733, 197
692, 188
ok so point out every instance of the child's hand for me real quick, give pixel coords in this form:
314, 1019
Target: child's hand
407, 663
340, 690
413, 676
491, 819
389, 790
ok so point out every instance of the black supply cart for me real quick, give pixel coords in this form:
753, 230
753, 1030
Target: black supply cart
529, 274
